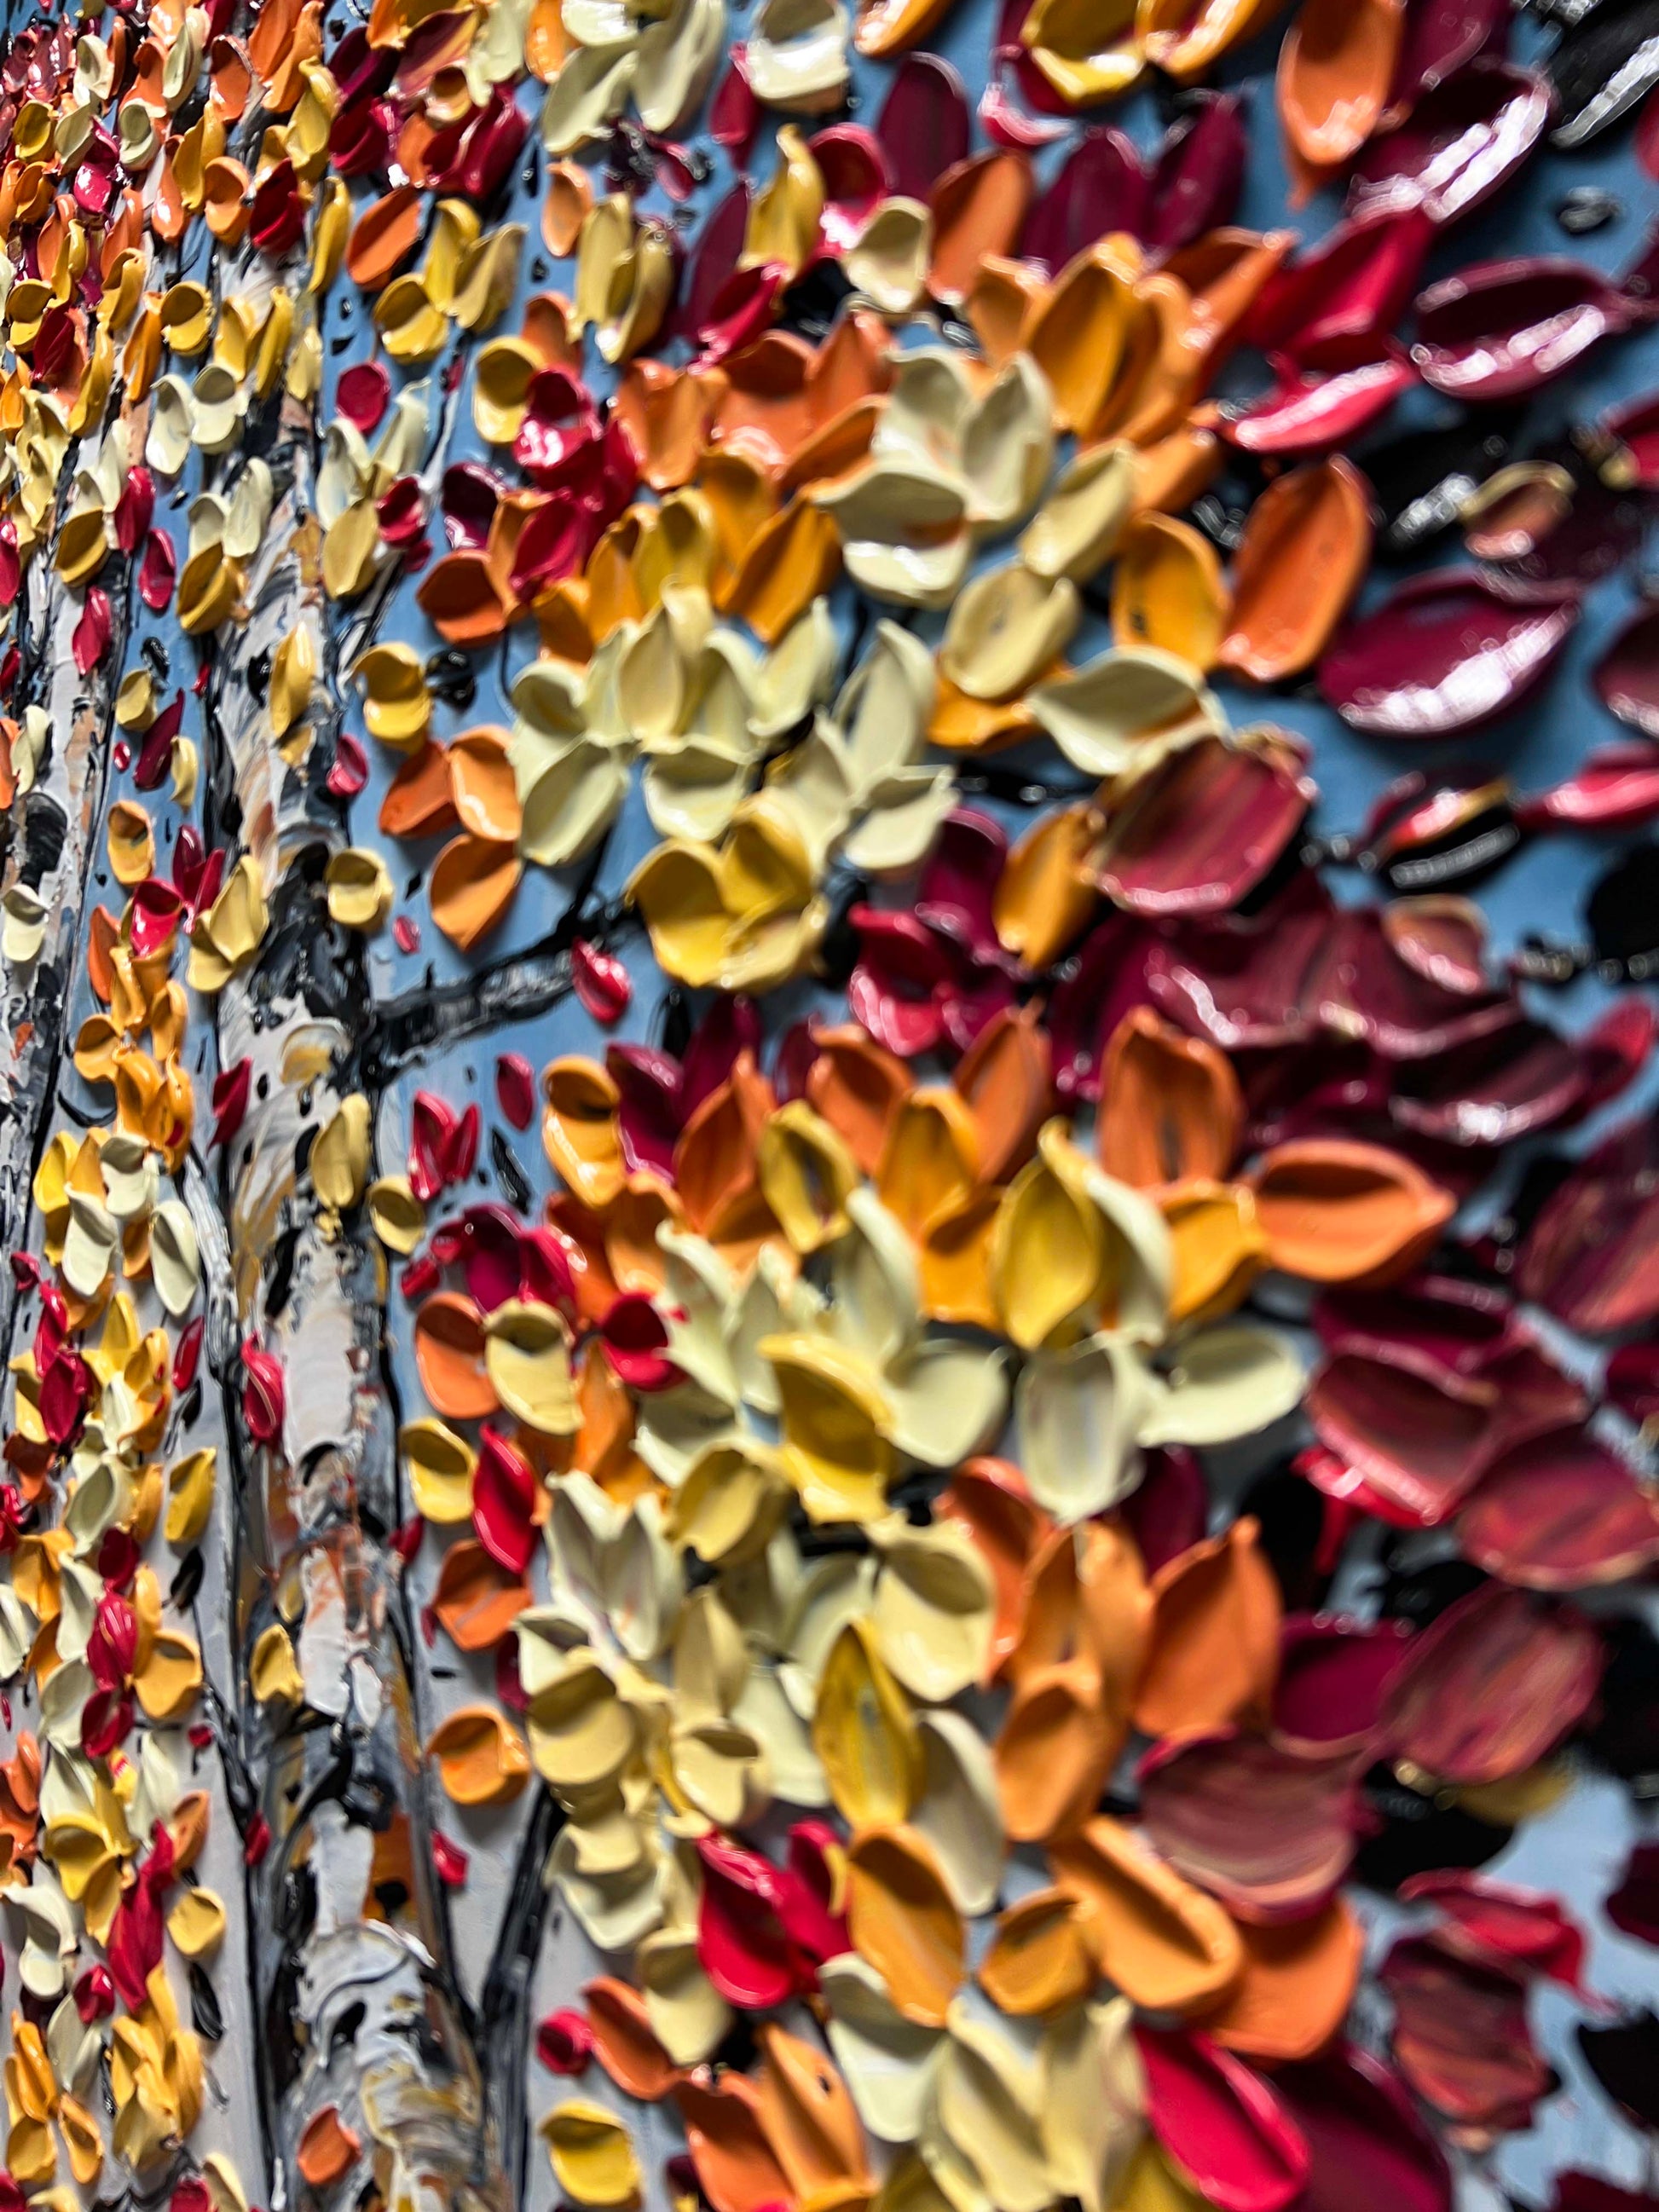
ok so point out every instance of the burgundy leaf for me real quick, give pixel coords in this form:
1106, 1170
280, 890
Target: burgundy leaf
1592, 1255
1626, 676
1311, 410
1101, 187
924, 127
1497, 1924
1199, 174
1332, 1674
1460, 143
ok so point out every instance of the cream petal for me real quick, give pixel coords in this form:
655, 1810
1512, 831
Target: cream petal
1074, 532
763, 1708
616, 1911
585, 98
1008, 445
1142, 1253
1099, 713
876, 1286
798, 56
1006, 628
1079, 1415
883, 707
1094, 2093
813, 782
1224, 1383
905, 813
927, 409
959, 1812
886, 2060
948, 1400
881, 511
934, 1611
976, 2105
795, 676
572, 802
675, 59
694, 790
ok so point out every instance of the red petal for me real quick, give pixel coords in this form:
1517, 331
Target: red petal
504, 1502
1221, 2122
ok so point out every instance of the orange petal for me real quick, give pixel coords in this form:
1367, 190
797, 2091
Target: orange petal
476, 1601
987, 1498
1007, 1078
735, 2166
1171, 1106
473, 885
1334, 70
1334, 1212
1043, 896
449, 1348
418, 802
1039, 1960
858, 1086
1166, 1945
902, 1921
481, 778
481, 1759
581, 1133
1054, 1751
625, 2043
1306, 547
1297, 1984
978, 208
1214, 1652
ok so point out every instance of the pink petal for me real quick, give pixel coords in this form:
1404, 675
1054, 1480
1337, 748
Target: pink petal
1221, 2122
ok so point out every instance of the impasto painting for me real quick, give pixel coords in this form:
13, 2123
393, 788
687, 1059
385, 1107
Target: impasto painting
828, 1134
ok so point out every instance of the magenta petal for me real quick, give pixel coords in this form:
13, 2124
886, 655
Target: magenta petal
1447, 652
712, 262
810, 1880
1491, 1685
1440, 37
636, 1337
1626, 676
363, 394
1520, 1079
741, 1940
1199, 172
1560, 1513
1265, 1826
503, 1503
1501, 329
1203, 828
1361, 987
959, 881
1369, 2147
1634, 1908
1105, 979
1462, 2037
515, 1089
1308, 411
650, 1115
1167, 1511
1497, 1925
1460, 145
923, 129
1332, 1674
1100, 186
730, 1027
1632, 431
1456, 1324
1617, 787
894, 990
1419, 1434
1632, 1382
1592, 1256
1351, 285
157, 572
1244, 981
734, 113
1221, 2122
855, 177
490, 1256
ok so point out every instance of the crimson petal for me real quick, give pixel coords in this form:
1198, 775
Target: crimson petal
1560, 1512
1502, 329
1352, 284
1199, 172
1626, 676
1371, 2148
924, 127
1308, 412
1204, 827
1221, 2122
1462, 2037
1101, 186
1496, 1924
1268, 1828
1332, 1674
1418, 1434
1447, 652
503, 1503
1460, 145
1492, 1685
1592, 1255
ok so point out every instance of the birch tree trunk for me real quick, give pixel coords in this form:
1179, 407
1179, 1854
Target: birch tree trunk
357, 2006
